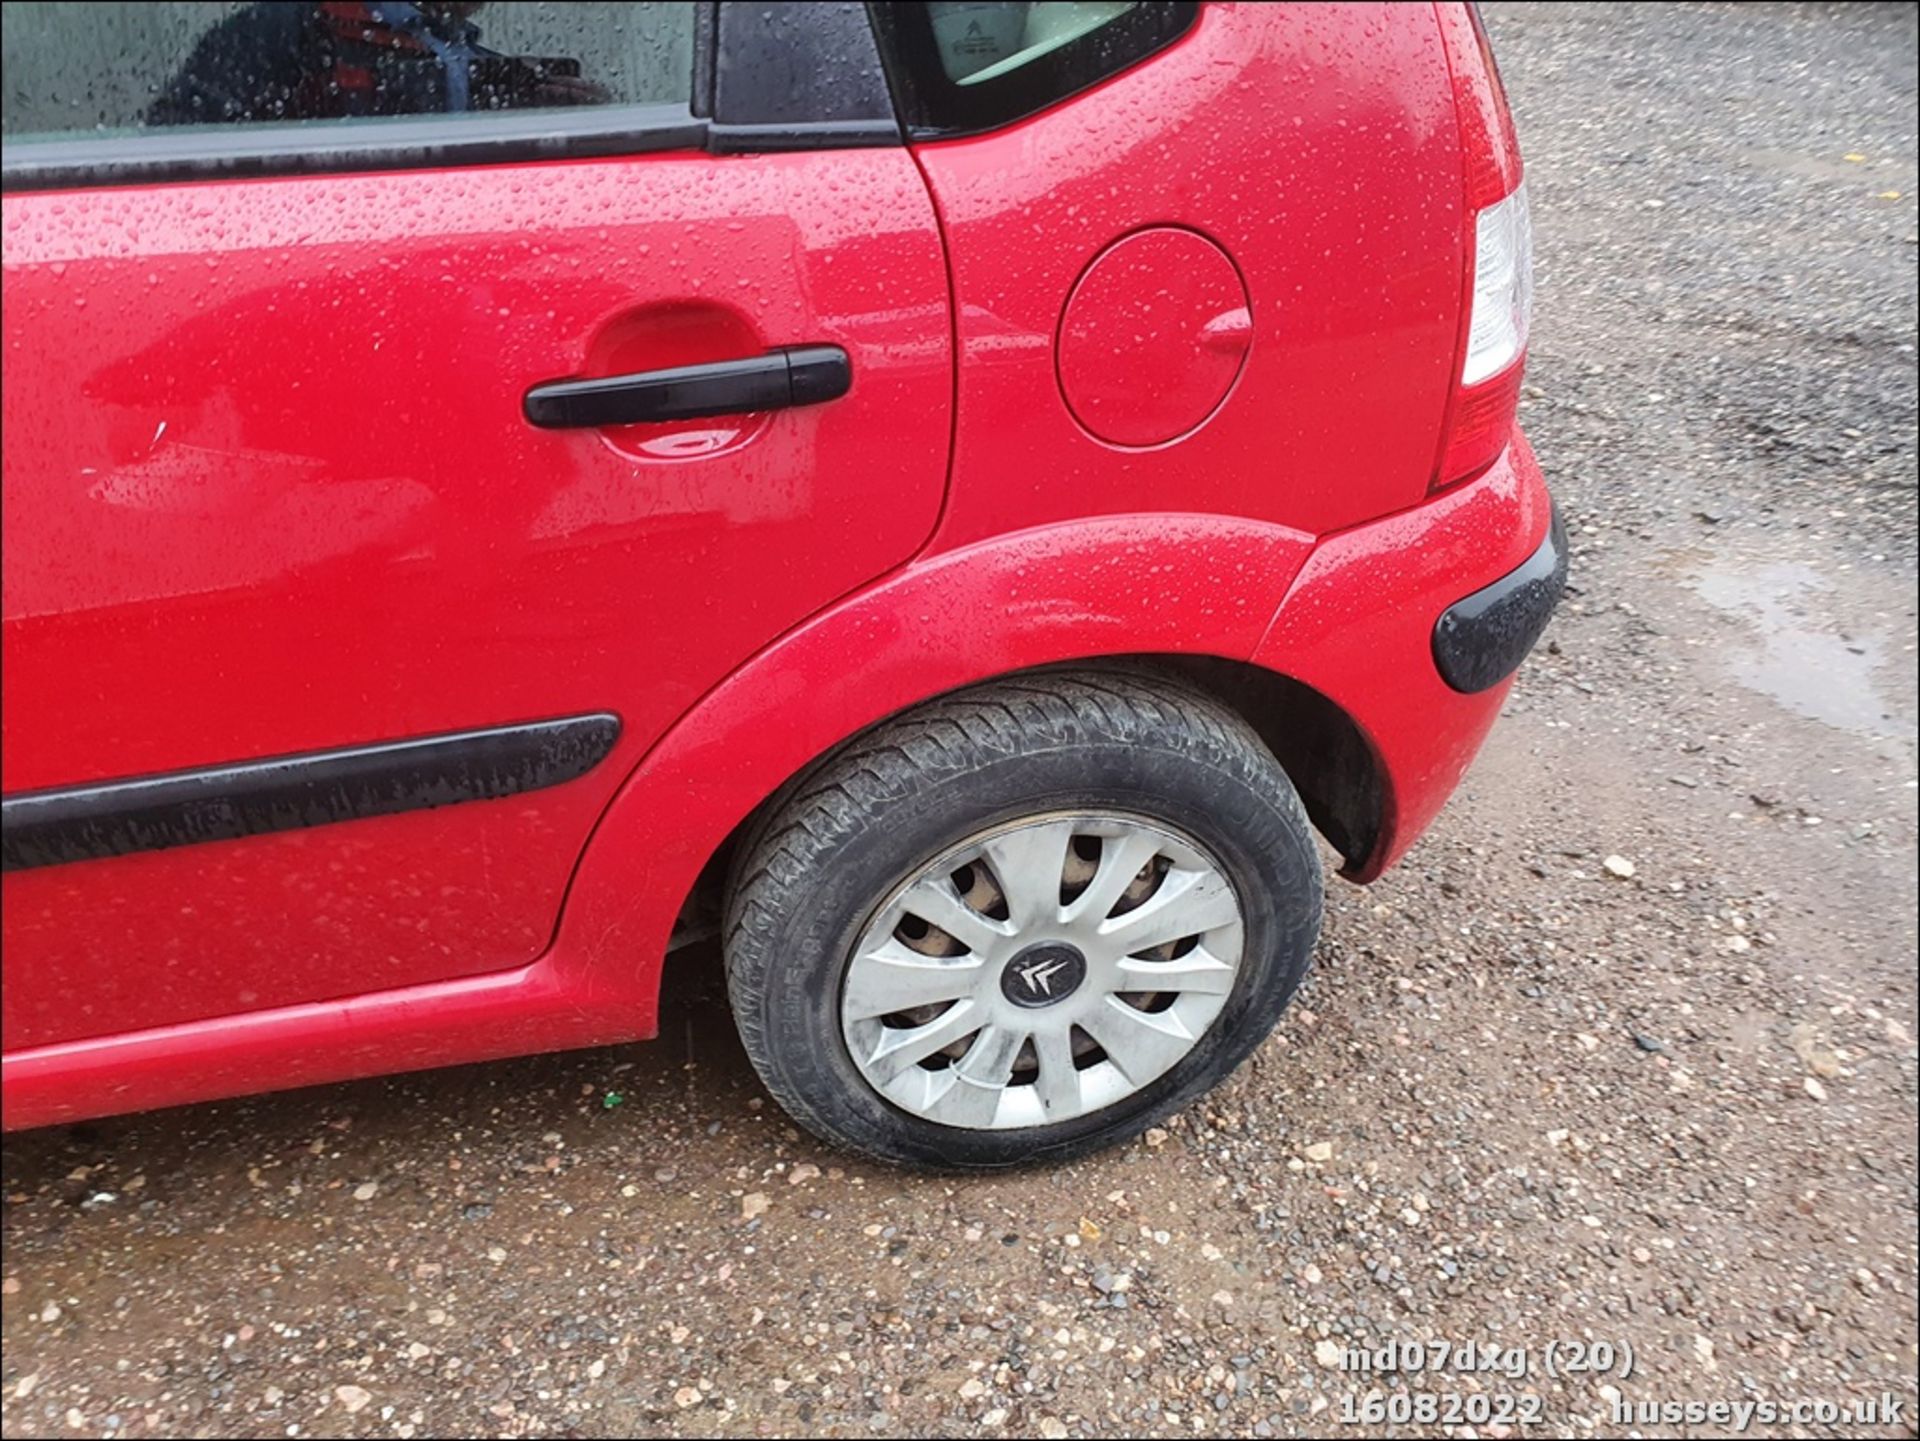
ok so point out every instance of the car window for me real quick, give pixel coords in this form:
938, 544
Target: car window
960, 66
978, 41
92, 69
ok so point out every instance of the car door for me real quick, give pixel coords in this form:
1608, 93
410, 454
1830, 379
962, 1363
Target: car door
333, 612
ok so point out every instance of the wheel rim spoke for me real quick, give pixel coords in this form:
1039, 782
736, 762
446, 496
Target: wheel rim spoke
894, 978
1121, 859
989, 1060
1188, 903
1058, 1082
1029, 863
901, 1047
1142, 1044
934, 900
1196, 972
959, 1103
980, 1078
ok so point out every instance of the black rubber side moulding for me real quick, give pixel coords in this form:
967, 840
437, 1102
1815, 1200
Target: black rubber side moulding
797, 375
315, 788
1481, 640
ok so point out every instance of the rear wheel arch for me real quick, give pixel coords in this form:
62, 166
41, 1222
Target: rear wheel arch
1322, 749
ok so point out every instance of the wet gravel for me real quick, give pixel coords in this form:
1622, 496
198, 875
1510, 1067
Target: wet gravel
1624, 1052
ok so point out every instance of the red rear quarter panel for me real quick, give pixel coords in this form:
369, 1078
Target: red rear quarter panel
1317, 145
1357, 625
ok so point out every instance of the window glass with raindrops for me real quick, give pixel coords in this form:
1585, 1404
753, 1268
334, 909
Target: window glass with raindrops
82, 70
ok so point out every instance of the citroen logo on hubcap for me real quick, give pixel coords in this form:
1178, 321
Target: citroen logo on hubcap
1043, 974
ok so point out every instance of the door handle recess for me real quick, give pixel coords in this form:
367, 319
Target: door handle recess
796, 375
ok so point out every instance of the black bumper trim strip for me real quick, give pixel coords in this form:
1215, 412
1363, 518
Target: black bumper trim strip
1481, 640
280, 793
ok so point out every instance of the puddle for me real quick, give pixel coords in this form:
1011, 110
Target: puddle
1803, 660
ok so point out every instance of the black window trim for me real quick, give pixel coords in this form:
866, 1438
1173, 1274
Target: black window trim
706, 56
933, 106
320, 147
211, 152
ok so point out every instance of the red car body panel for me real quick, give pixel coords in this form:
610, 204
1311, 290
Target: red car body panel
1317, 148
269, 490
235, 545
1376, 663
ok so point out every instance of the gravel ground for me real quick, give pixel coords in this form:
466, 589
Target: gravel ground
1623, 1053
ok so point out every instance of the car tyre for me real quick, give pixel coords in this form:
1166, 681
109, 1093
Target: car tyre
1117, 760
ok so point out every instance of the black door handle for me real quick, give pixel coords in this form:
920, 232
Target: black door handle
797, 375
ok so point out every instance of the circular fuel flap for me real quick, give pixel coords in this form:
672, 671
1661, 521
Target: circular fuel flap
1152, 337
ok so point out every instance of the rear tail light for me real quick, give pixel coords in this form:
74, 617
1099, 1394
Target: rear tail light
1499, 290
1502, 289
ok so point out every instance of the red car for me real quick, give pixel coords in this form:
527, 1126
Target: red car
950, 497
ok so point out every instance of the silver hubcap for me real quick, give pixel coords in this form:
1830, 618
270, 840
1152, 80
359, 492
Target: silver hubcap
1041, 970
